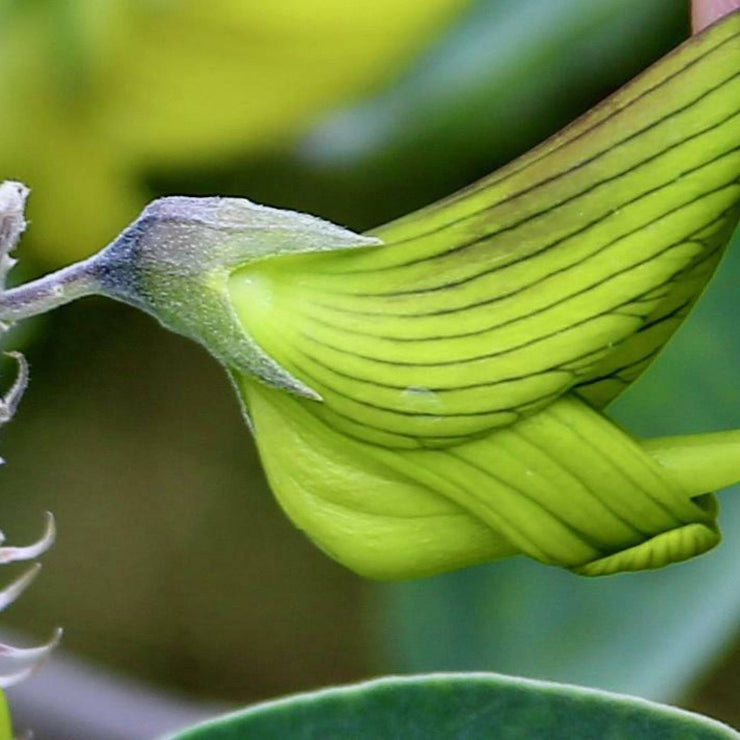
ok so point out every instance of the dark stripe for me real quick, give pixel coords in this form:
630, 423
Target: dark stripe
485, 356
625, 473
558, 242
675, 313
576, 532
563, 464
516, 409
438, 390
509, 171
557, 204
401, 340
501, 353
323, 385
655, 320
418, 438
614, 374
535, 546
486, 183
584, 291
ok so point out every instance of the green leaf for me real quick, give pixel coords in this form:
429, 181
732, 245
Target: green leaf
460, 706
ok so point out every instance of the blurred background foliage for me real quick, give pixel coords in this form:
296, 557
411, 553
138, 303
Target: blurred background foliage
173, 563
95, 93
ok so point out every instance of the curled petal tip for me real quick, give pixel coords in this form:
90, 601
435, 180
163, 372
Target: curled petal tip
33, 654
14, 554
9, 402
12, 591
16, 664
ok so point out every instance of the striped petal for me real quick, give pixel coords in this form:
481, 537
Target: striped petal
568, 269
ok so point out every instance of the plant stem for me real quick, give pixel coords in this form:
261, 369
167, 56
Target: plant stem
50, 291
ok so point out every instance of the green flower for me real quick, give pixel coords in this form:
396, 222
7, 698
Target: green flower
429, 396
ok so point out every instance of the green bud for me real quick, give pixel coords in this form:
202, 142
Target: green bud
430, 396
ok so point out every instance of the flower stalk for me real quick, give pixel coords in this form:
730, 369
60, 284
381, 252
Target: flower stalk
49, 292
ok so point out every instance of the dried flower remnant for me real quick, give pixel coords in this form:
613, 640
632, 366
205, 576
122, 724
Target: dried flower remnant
13, 197
17, 663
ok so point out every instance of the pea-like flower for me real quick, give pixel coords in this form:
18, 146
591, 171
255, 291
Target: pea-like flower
430, 395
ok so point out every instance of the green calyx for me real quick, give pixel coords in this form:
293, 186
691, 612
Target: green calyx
175, 260
429, 396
